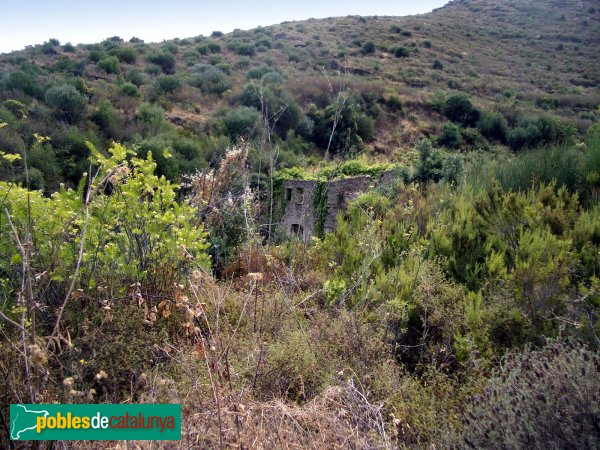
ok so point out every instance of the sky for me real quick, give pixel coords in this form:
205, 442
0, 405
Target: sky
35, 21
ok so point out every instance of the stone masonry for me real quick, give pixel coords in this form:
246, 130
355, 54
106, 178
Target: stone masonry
299, 214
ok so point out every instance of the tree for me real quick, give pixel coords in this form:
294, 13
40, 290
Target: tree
459, 109
68, 104
110, 64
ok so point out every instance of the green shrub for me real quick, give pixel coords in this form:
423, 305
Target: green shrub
24, 82
48, 48
592, 158
214, 47
36, 179
96, 55
18, 109
265, 42
165, 60
530, 133
145, 235
394, 103
167, 84
152, 117
69, 66
153, 69
242, 48
352, 130
459, 109
435, 165
210, 80
271, 99
256, 73
242, 122
110, 64
203, 49
559, 164
293, 369
493, 126
136, 77
368, 47
69, 48
68, 104
450, 136
437, 65
400, 52
127, 55
213, 60
108, 119
130, 90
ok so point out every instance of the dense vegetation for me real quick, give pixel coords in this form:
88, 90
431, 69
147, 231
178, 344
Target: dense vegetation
456, 305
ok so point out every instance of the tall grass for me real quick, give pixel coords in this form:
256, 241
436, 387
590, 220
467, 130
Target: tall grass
592, 168
559, 164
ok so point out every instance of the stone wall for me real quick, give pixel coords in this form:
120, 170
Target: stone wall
299, 217
339, 193
298, 196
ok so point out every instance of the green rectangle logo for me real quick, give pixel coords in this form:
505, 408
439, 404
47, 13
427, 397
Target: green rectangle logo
101, 422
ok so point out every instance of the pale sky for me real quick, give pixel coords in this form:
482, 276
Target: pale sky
33, 22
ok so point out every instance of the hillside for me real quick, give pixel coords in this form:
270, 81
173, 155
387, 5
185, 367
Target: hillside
517, 58
354, 232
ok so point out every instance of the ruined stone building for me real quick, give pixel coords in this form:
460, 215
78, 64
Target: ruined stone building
301, 213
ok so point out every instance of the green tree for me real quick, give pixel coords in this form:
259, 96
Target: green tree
67, 102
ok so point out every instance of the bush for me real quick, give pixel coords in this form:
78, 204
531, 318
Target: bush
210, 80
141, 235
96, 55
69, 66
437, 65
130, 90
450, 136
108, 119
203, 49
368, 47
559, 164
167, 84
242, 48
352, 130
110, 64
163, 59
394, 103
48, 48
69, 48
152, 117
269, 99
67, 102
400, 52
24, 82
18, 109
214, 47
127, 55
435, 165
459, 109
530, 133
545, 398
256, 73
493, 126
242, 122
136, 77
